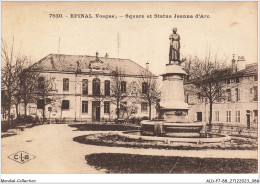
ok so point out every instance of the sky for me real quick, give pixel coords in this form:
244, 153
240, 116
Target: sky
230, 29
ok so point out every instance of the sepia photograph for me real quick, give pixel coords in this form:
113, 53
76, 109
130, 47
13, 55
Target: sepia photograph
130, 88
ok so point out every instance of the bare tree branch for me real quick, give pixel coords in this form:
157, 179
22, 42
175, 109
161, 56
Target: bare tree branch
207, 77
119, 89
148, 89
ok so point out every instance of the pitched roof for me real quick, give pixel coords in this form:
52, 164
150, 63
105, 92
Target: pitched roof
251, 69
68, 63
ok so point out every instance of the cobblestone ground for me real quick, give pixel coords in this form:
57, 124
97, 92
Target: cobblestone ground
56, 152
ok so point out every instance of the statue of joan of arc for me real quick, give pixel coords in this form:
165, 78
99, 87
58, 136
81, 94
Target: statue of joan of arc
174, 54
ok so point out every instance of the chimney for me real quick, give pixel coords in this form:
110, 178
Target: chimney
234, 64
77, 68
106, 56
147, 65
241, 63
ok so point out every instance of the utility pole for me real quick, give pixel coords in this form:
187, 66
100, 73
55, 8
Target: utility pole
118, 43
59, 49
59, 46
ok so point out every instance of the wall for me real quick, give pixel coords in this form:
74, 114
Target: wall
75, 97
246, 103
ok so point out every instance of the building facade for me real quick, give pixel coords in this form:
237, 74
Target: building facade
238, 107
84, 88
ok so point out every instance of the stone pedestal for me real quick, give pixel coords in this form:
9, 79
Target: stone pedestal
173, 107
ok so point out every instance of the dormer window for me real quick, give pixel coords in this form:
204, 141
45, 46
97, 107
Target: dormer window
96, 64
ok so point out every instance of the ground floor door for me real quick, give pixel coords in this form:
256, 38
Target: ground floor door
248, 119
199, 116
95, 111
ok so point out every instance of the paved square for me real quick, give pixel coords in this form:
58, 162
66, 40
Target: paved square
56, 152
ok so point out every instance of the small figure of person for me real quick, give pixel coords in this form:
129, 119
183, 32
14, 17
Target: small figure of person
174, 54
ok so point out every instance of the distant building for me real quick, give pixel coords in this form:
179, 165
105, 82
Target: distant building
240, 105
82, 86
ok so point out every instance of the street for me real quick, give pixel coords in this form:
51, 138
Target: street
56, 152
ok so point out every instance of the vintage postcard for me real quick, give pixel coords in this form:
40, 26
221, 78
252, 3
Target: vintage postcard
130, 88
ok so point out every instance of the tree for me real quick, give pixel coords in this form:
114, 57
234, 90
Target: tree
20, 84
148, 89
28, 87
4, 105
25, 85
45, 93
187, 67
130, 110
11, 68
119, 89
208, 77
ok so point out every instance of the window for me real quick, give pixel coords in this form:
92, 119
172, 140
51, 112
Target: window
123, 86
228, 81
4, 116
199, 116
40, 104
40, 82
229, 95
237, 79
107, 107
199, 97
144, 87
238, 116
216, 115
123, 106
255, 118
144, 107
237, 94
65, 105
96, 87
228, 116
255, 77
134, 88
85, 86
84, 106
187, 98
107, 88
255, 93
66, 84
